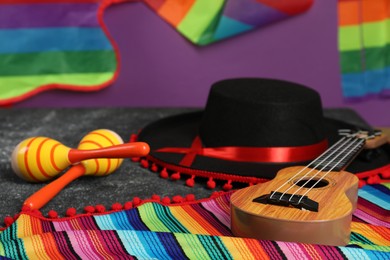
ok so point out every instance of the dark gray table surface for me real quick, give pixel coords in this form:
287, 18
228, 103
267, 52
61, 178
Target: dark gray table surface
68, 126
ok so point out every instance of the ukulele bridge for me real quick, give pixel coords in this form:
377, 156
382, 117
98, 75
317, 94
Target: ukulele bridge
287, 200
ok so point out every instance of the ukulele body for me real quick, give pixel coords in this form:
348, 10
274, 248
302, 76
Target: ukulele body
336, 200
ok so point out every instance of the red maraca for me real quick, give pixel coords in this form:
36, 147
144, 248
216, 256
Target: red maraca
39, 159
98, 167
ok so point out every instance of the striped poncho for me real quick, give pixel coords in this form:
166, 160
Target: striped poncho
187, 230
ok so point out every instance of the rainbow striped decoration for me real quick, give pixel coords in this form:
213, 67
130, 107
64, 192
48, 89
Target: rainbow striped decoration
64, 44
363, 43
53, 44
190, 230
204, 21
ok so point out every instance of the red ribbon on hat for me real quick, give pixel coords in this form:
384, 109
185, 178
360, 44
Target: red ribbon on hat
249, 154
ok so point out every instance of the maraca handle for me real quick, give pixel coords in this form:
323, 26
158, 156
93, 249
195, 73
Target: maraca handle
44, 195
135, 149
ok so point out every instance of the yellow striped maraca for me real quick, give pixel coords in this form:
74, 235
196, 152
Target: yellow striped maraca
91, 144
39, 159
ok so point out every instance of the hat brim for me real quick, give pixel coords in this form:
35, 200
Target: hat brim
180, 131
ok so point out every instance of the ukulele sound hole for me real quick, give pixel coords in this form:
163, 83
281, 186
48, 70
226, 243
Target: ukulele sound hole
312, 183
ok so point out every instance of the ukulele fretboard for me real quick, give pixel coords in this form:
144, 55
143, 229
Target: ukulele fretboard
338, 157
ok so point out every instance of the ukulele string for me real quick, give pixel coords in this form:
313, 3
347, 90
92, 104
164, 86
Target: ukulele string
348, 143
307, 166
344, 147
351, 151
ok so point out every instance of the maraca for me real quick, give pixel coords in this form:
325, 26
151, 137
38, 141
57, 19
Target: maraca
96, 167
39, 159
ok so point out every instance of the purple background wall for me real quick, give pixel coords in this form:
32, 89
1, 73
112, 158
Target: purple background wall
160, 68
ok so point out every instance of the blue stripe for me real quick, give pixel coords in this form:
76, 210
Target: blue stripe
367, 83
120, 221
53, 39
375, 196
155, 246
133, 244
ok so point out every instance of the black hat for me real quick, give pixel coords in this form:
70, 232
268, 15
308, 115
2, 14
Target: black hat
250, 128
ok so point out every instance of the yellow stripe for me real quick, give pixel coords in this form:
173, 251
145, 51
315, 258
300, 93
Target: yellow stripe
35, 248
237, 248
370, 234
186, 220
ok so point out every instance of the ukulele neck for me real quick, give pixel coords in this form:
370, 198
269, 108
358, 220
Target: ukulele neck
340, 155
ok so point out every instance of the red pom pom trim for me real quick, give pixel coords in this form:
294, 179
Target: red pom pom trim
70, 212
116, 206
89, 209
100, 208
191, 181
190, 197
52, 214
128, 205
166, 200
175, 176
154, 168
156, 197
8, 220
164, 174
211, 183
144, 163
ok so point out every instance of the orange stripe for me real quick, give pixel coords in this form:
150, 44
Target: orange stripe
38, 159
53, 163
382, 231
200, 220
102, 135
255, 247
242, 248
36, 226
354, 12
97, 167
26, 160
50, 246
349, 13
174, 11
91, 142
373, 11
108, 166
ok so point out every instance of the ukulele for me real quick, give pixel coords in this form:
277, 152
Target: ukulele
312, 204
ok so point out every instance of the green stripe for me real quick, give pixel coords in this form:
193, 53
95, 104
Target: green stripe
370, 35
15, 86
375, 58
349, 38
151, 220
57, 62
197, 21
191, 246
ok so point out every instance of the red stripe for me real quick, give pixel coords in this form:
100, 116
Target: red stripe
53, 163
38, 159
26, 160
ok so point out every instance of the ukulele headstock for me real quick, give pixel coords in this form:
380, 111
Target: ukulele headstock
373, 138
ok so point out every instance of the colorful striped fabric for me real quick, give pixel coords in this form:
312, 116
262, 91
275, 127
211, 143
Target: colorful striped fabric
189, 230
53, 44
47, 44
363, 43
204, 21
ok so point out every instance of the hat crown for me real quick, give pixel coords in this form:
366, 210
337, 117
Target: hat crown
261, 113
